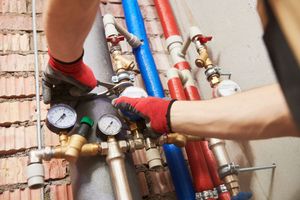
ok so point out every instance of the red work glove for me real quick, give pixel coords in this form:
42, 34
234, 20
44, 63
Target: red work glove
76, 73
153, 110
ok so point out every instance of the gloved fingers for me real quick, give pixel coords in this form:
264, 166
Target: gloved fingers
126, 104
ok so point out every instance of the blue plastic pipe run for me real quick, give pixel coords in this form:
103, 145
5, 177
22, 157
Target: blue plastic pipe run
178, 169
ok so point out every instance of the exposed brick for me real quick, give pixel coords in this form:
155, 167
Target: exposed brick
153, 28
19, 22
16, 62
61, 192
38, 6
14, 139
143, 183
162, 61
162, 182
139, 157
146, 2
148, 12
42, 42
17, 86
14, 42
156, 44
54, 169
15, 112
21, 194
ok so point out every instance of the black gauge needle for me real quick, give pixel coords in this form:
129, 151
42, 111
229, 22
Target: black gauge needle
109, 125
61, 117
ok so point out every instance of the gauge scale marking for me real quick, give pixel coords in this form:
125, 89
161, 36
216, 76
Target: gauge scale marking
61, 117
109, 125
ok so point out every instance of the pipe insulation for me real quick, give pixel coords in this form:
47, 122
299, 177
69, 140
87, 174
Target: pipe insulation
199, 168
178, 169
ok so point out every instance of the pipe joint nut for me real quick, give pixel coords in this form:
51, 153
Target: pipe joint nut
229, 169
208, 194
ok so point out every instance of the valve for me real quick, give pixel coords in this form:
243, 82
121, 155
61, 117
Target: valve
203, 39
116, 39
78, 139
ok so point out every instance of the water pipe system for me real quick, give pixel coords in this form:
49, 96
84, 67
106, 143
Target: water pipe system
88, 145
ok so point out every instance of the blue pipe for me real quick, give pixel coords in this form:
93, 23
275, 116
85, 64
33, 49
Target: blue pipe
178, 169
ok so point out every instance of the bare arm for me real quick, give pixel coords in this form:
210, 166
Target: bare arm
256, 114
67, 23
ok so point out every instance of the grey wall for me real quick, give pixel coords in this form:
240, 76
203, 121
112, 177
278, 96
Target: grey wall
238, 48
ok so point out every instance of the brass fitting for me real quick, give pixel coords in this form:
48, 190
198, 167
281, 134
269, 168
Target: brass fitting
63, 139
214, 80
74, 147
86, 150
121, 63
179, 140
232, 184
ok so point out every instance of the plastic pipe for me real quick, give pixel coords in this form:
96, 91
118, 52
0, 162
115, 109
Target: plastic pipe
196, 158
178, 169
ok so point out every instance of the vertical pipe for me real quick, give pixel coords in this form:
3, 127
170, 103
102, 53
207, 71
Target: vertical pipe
174, 156
37, 85
194, 150
90, 175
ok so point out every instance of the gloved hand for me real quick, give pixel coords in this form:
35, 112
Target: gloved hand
242, 196
156, 111
62, 76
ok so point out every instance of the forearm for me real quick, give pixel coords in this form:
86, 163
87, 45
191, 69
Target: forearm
67, 23
256, 114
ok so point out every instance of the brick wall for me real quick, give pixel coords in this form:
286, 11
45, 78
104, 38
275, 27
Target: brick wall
17, 103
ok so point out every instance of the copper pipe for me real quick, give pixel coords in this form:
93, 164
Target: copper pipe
115, 161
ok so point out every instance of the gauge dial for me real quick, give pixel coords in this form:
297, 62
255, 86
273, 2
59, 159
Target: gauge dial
61, 117
109, 125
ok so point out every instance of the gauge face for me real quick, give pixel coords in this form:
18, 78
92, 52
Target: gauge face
109, 125
61, 117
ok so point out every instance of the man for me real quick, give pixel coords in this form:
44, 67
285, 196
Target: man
256, 114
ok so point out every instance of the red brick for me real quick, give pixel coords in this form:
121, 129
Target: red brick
148, 12
17, 86
21, 194
38, 6
162, 61
54, 169
146, 2
61, 192
153, 28
14, 139
143, 184
16, 62
19, 22
139, 157
161, 182
157, 44
15, 112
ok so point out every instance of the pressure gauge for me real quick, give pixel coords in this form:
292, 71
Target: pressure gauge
109, 125
61, 117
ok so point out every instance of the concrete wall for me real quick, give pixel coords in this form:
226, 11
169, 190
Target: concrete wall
238, 48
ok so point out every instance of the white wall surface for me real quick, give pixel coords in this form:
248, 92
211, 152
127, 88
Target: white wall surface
238, 48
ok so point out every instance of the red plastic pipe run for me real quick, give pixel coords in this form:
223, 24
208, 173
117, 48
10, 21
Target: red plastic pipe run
201, 160
199, 169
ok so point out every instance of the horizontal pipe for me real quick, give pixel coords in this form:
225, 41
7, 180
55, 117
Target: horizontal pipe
178, 169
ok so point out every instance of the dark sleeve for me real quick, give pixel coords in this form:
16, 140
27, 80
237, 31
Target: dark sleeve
285, 64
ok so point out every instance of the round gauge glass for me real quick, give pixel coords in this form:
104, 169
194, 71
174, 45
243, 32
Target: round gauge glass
61, 117
109, 125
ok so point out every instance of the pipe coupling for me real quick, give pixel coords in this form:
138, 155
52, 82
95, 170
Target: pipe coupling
207, 194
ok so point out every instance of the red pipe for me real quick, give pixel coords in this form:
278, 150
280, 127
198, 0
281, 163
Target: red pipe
182, 65
213, 170
176, 89
194, 151
166, 17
